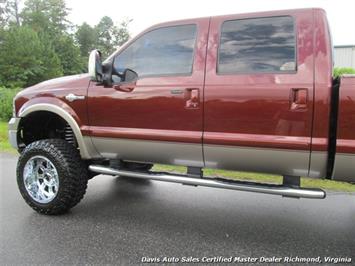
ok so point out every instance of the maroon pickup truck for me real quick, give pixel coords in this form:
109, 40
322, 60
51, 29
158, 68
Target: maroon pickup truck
249, 92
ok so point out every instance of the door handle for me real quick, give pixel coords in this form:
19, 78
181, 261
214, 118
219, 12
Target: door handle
192, 98
124, 87
72, 97
298, 99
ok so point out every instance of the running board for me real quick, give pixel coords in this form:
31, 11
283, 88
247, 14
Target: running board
282, 190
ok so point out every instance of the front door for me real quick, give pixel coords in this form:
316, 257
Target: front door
159, 119
259, 92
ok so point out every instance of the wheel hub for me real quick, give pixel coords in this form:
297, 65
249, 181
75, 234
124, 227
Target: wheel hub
41, 179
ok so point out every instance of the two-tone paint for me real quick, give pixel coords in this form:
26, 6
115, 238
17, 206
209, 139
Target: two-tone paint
240, 122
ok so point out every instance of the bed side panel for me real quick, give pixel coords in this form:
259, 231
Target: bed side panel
344, 168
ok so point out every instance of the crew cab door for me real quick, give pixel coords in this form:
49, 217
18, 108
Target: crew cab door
159, 117
259, 92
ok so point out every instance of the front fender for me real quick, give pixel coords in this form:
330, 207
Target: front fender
62, 109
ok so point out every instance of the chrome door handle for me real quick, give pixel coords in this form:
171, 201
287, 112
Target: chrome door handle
72, 97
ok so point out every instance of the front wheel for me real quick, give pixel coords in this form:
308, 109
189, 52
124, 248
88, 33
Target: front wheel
51, 176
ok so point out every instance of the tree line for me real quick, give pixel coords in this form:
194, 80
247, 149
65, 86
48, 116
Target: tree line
38, 42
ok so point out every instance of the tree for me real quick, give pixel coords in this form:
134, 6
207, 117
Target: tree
24, 59
35, 16
105, 36
58, 13
105, 29
69, 55
111, 36
9, 12
49, 19
86, 37
53, 66
46, 16
3, 13
121, 32
35, 43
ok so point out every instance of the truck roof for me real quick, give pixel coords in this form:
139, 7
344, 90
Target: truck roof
246, 15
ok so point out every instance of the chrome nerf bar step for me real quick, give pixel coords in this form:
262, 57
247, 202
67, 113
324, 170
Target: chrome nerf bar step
281, 190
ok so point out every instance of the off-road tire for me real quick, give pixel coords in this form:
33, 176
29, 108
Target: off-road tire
72, 175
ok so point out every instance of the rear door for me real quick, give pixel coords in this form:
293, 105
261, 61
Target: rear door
259, 92
160, 118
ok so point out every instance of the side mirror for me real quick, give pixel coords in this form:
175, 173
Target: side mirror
95, 66
129, 75
128, 81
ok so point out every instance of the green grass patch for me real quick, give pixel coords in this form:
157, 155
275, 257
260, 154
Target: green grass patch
4, 143
257, 177
263, 178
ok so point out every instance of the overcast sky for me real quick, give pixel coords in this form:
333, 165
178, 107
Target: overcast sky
341, 13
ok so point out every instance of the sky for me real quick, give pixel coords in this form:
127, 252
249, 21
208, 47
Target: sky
145, 13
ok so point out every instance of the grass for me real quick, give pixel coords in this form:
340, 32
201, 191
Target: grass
4, 144
305, 182
264, 178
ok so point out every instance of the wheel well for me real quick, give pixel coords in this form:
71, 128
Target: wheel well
44, 125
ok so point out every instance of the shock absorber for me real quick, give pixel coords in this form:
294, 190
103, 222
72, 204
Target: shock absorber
69, 135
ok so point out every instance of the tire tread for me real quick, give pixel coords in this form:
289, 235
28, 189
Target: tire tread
73, 183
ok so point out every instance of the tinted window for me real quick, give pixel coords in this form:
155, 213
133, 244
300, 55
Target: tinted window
257, 45
164, 51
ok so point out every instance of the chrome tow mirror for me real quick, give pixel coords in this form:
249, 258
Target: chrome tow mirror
95, 66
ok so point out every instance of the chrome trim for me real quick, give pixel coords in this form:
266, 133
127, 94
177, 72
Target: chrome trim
41, 179
87, 150
210, 182
12, 131
94, 64
72, 97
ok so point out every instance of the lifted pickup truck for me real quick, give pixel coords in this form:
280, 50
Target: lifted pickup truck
250, 92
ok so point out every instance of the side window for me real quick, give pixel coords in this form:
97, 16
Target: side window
160, 52
257, 45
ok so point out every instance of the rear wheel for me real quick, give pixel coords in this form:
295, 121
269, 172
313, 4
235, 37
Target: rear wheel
51, 176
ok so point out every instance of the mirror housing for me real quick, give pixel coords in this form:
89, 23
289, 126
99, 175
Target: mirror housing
129, 76
95, 66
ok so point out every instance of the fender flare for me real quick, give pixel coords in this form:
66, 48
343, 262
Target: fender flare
86, 147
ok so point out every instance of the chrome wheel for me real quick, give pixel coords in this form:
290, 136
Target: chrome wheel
41, 179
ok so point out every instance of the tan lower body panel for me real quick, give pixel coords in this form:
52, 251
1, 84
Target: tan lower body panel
344, 167
90, 148
318, 165
150, 151
274, 161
